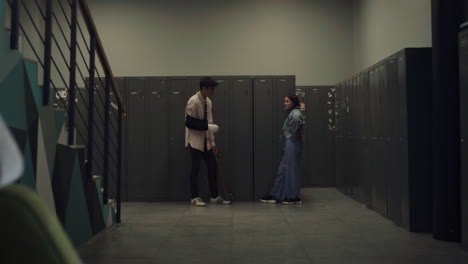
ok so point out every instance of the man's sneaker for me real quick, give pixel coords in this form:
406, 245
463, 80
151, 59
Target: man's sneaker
220, 200
294, 201
268, 199
198, 202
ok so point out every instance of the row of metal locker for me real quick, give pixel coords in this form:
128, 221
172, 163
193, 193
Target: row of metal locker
383, 138
250, 113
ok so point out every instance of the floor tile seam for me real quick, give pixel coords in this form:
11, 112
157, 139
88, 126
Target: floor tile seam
162, 244
296, 237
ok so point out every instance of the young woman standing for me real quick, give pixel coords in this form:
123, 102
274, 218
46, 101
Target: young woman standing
286, 188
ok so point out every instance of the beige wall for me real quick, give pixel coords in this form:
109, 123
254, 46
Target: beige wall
319, 41
311, 39
382, 27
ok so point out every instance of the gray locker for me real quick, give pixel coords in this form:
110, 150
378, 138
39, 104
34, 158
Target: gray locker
122, 84
373, 139
264, 135
393, 168
313, 157
317, 158
113, 142
180, 92
390, 162
158, 105
240, 139
340, 102
136, 140
269, 114
366, 173
414, 74
156, 117
381, 198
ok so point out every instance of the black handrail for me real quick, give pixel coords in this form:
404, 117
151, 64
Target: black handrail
106, 135
14, 40
47, 50
90, 149
72, 86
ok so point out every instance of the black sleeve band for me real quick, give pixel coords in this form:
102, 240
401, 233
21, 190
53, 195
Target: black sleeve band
196, 124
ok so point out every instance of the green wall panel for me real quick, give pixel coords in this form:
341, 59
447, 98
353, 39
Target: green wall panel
31, 73
48, 124
77, 219
28, 177
59, 119
12, 98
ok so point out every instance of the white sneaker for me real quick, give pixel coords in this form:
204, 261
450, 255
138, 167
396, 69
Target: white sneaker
198, 202
220, 200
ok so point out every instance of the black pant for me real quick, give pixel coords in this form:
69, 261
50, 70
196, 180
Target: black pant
197, 155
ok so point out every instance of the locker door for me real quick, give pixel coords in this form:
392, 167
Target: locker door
122, 86
372, 133
347, 150
113, 143
179, 93
403, 141
313, 140
353, 154
303, 93
158, 134
264, 136
393, 166
338, 114
359, 135
382, 150
240, 140
329, 135
136, 140
365, 115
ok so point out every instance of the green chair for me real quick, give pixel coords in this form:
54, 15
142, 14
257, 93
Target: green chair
30, 231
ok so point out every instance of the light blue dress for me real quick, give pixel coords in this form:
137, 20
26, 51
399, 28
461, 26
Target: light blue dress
288, 178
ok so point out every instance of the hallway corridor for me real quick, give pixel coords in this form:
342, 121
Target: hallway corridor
328, 228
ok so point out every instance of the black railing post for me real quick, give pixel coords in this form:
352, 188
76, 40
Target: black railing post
106, 136
119, 165
14, 37
91, 88
47, 52
72, 87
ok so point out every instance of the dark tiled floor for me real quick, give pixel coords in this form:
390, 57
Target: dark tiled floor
328, 228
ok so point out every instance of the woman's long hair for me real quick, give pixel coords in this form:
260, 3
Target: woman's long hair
295, 99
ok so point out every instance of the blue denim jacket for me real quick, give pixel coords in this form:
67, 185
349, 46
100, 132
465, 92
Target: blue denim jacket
294, 124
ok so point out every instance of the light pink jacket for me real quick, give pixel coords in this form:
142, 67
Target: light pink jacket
196, 109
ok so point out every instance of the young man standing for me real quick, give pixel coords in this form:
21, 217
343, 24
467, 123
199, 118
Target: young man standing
199, 138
